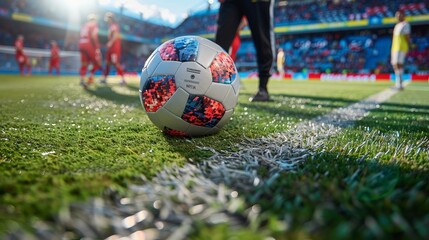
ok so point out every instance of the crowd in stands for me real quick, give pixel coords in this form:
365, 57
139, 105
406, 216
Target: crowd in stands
202, 22
357, 52
344, 10
312, 11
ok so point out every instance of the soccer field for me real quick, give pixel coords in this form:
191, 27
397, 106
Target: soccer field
61, 144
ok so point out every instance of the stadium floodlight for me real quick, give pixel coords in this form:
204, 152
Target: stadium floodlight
76, 3
104, 2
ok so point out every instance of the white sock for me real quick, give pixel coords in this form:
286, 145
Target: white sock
399, 78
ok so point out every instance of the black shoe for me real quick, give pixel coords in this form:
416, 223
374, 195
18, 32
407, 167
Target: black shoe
260, 96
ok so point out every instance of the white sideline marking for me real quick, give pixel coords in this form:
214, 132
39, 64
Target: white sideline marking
284, 151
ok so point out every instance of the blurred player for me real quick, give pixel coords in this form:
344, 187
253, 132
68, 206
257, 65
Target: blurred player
21, 58
113, 48
401, 42
237, 41
260, 20
54, 62
89, 48
280, 62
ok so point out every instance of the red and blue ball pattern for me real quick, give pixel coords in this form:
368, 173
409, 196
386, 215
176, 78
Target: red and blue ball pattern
203, 111
157, 91
223, 69
183, 49
175, 133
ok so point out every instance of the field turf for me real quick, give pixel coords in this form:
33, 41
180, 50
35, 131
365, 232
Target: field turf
60, 143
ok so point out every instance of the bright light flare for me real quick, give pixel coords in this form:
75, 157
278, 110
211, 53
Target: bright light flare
76, 3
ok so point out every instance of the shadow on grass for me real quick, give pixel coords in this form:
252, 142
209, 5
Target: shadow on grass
107, 93
133, 88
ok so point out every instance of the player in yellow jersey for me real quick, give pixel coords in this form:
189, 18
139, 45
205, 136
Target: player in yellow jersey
401, 42
280, 62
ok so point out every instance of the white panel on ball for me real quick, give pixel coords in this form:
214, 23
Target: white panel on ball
213, 131
166, 68
154, 63
236, 84
197, 131
176, 104
172, 121
150, 58
225, 119
205, 55
143, 79
193, 78
230, 100
154, 118
218, 91
210, 44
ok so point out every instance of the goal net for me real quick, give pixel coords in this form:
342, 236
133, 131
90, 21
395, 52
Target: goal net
39, 60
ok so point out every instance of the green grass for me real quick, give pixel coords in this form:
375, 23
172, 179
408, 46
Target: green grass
369, 182
60, 143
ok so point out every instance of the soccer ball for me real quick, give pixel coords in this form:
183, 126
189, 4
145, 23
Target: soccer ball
189, 87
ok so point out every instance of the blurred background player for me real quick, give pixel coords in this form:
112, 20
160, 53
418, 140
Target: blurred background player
54, 62
280, 63
237, 41
260, 20
89, 48
21, 58
113, 48
400, 44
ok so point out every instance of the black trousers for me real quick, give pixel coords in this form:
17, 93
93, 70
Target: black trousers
259, 15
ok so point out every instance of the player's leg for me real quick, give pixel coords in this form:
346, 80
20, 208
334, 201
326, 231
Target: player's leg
400, 70
105, 73
401, 61
20, 63
107, 67
96, 64
84, 66
57, 66
115, 60
229, 19
51, 66
235, 46
260, 19
397, 63
28, 65
281, 71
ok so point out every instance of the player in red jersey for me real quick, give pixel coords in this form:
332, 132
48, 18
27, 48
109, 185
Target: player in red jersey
20, 56
236, 42
113, 48
54, 62
89, 48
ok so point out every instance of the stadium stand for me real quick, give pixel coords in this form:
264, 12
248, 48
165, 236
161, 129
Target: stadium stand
310, 12
296, 12
366, 51
300, 29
